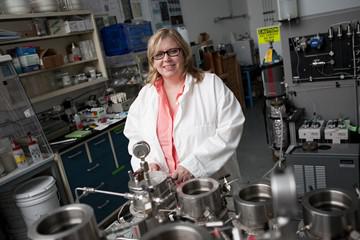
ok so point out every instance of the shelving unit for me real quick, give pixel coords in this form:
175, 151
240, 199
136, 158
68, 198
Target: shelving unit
56, 68
66, 90
5, 17
40, 85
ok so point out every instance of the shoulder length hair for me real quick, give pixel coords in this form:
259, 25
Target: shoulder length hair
153, 45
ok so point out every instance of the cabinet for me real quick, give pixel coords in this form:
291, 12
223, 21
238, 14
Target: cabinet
227, 68
45, 83
17, 118
101, 162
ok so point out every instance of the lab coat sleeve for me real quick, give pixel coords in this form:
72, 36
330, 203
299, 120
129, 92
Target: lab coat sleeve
216, 150
133, 126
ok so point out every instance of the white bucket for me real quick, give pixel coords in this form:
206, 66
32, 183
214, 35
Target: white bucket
36, 198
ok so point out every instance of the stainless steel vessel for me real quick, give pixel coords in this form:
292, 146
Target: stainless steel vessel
139, 224
177, 231
200, 199
162, 190
329, 213
253, 204
70, 222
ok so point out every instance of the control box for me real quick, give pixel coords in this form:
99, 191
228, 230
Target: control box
311, 130
329, 166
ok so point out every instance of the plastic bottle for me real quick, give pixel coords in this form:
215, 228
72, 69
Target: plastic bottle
75, 51
77, 121
19, 155
34, 149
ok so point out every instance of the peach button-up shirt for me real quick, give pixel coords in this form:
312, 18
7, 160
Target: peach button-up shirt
165, 126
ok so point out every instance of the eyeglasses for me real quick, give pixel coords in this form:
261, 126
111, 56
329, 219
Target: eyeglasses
172, 52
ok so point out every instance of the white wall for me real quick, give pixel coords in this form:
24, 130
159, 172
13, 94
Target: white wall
311, 7
199, 17
305, 7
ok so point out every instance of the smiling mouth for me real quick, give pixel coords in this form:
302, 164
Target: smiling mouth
168, 66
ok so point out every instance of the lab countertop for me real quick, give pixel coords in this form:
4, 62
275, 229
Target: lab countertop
63, 143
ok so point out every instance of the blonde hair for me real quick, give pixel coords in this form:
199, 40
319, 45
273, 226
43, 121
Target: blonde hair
185, 48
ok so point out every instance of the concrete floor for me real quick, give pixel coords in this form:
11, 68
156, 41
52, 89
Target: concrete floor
254, 155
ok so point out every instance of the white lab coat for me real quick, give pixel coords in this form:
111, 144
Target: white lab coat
207, 127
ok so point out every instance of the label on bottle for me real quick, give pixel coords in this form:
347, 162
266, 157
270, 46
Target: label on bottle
35, 152
20, 158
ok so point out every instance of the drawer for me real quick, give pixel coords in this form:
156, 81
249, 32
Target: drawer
76, 163
121, 146
103, 204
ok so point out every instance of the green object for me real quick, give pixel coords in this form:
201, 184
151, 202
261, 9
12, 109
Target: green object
78, 134
118, 170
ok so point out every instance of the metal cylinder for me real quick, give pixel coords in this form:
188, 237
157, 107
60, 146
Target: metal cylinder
177, 231
329, 213
139, 224
279, 131
200, 199
273, 79
70, 222
253, 204
160, 186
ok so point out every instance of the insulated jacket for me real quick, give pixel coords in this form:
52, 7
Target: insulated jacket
207, 127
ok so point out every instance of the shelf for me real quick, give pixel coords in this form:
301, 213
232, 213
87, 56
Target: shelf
56, 68
18, 174
33, 39
66, 90
7, 17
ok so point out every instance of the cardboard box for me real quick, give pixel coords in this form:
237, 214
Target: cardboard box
88, 24
50, 59
56, 26
81, 25
71, 26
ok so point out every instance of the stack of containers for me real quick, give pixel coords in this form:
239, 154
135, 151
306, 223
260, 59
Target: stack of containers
120, 39
114, 40
29, 59
137, 35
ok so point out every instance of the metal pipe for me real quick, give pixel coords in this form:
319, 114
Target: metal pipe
93, 190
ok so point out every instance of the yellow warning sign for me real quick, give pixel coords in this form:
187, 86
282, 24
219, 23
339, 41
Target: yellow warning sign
268, 34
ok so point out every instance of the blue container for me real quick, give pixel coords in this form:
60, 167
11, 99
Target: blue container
114, 40
23, 51
137, 35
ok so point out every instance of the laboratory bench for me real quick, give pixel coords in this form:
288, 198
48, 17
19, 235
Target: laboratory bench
98, 160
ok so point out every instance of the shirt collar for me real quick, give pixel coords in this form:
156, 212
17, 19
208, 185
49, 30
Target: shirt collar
159, 84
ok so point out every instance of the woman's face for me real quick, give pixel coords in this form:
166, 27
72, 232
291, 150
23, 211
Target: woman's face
169, 59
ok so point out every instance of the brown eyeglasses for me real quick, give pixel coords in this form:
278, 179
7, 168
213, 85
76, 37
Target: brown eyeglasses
172, 52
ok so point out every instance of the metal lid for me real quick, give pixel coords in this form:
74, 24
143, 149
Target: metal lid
35, 186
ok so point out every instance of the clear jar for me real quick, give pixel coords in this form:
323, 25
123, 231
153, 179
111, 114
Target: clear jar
66, 80
6, 156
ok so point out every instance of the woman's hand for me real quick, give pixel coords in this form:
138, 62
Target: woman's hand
154, 167
181, 175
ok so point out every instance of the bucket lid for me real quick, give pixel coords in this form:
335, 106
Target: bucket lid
34, 187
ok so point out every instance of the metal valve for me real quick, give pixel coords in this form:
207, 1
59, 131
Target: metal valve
141, 150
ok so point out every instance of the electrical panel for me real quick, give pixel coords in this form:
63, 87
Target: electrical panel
287, 9
332, 55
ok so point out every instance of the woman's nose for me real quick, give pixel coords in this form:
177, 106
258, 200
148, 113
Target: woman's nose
166, 57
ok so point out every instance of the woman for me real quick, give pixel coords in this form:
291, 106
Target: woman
190, 119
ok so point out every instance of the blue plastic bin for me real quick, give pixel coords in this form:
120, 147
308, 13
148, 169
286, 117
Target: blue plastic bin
114, 40
137, 35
